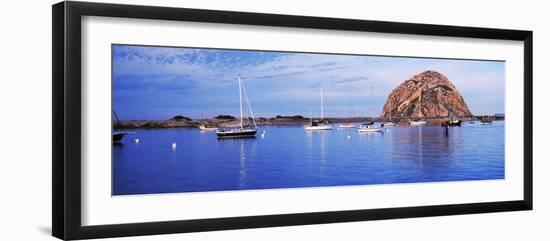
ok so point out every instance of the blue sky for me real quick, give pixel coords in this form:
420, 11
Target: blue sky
161, 82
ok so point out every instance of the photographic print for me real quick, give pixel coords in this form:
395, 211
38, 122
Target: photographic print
190, 119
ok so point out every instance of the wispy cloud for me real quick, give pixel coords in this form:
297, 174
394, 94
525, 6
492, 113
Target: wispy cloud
196, 81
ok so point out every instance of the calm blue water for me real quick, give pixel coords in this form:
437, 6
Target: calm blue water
288, 156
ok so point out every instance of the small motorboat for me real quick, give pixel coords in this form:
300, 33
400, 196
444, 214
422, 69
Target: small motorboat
366, 127
389, 124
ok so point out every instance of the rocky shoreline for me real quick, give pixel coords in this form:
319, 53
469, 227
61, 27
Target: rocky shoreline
195, 123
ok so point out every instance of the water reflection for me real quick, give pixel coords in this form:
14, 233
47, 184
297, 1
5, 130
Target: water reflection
292, 157
322, 153
242, 162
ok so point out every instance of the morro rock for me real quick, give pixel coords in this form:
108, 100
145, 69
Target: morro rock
428, 94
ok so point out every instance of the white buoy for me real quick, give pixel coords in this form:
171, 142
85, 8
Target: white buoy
174, 146
349, 136
136, 140
263, 135
263, 132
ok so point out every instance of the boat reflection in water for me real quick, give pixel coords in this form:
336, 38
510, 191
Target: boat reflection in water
290, 157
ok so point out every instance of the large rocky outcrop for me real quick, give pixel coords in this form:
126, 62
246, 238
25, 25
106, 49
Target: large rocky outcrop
428, 94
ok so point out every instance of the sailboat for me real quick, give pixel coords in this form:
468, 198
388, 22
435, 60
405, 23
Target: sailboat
117, 135
369, 126
206, 126
389, 123
241, 130
318, 125
486, 120
352, 114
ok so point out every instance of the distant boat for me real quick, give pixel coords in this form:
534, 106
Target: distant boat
365, 127
452, 122
318, 125
348, 125
369, 126
455, 122
389, 123
208, 128
486, 120
241, 130
417, 122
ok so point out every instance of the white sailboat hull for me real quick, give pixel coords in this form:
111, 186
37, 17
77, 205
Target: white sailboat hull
389, 124
343, 126
417, 123
370, 129
318, 128
204, 128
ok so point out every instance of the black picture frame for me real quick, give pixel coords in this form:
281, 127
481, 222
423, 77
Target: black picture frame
67, 134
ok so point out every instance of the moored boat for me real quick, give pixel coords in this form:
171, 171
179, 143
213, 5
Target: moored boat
452, 122
236, 132
117, 136
347, 125
318, 125
208, 128
417, 122
241, 130
367, 127
486, 120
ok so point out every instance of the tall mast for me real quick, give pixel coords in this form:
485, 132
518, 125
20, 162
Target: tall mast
248, 104
240, 100
372, 103
116, 117
322, 109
